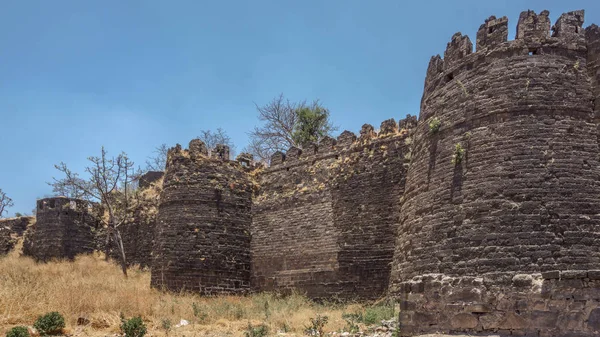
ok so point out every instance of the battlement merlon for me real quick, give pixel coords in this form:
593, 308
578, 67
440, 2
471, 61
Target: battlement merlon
493, 32
533, 26
570, 25
459, 47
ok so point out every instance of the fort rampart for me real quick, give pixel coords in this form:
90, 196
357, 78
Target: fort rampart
64, 227
481, 217
507, 187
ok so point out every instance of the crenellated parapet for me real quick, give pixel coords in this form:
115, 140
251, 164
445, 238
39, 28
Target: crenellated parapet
339, 198
347, 141
565, 46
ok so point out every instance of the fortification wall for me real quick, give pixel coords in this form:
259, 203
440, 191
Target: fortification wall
138, 236
64, 229
138, 233
11, 229
203, 232
522, 196
149, 178
325, 217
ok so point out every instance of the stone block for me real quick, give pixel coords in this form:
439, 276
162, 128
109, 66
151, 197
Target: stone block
594, 274
466, 294
491, 321
464, 321
544, 319
478, 308
574, 274
512, 321
522, 280
550, 275
593, 321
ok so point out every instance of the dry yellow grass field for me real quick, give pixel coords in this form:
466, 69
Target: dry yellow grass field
96, 289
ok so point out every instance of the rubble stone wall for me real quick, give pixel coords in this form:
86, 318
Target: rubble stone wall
325, 217
507, 184
11, 229
552, 303
64, 228
203, 232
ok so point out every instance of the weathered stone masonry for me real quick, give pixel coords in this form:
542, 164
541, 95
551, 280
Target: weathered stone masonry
321, 220
324, 220
490, 221
507, 239
203, 233
11, 229
64, 228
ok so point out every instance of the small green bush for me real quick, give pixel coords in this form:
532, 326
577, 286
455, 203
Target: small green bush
378, 313
434, 125
18, 331
133, 327
166, 325
316, 326
51, 323
459, 153
256, 331
351, 321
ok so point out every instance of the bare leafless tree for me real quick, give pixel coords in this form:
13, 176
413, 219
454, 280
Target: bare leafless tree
5, 203
280, 125
108, 182
69, 189
213, 138
158, 161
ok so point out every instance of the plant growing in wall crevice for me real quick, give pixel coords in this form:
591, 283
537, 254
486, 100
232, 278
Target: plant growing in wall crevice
434, 125
459, 153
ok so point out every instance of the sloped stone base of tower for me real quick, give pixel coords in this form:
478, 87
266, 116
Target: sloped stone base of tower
549, 304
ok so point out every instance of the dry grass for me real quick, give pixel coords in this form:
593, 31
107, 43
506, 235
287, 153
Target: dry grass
91, 287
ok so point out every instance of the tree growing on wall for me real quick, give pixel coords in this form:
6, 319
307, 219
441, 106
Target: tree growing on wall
5, 203
109, 182
285, 124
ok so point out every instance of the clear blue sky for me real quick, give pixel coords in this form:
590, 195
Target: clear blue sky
130, 75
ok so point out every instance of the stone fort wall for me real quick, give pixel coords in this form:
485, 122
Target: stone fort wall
11, 229
522, 201
64, 228
202, 238
324, 219
480, 217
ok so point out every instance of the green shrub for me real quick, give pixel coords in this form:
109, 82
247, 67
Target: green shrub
256, 331
166, 325
51, 323
198, 313
352, 320
133, 327
316, 326
378, 313
18, 331
434, 125
459, 153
